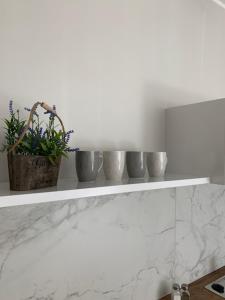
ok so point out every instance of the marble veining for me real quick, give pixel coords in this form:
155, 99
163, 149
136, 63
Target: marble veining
200, 231
109, 247
126, 246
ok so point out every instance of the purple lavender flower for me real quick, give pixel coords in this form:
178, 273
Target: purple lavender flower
70, 131
72, 149
31, 131
40, 131
11, 107
67, 136
29, 110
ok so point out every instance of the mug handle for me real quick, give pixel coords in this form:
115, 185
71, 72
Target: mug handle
101, 161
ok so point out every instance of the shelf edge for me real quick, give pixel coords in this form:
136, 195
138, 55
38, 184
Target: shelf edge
72, 194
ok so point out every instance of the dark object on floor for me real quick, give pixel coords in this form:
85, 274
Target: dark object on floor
218, 288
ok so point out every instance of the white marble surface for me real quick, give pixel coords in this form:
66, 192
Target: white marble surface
200, 231
103, 248
125, 247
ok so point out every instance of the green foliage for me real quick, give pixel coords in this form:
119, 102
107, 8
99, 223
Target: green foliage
39, 140
13, 128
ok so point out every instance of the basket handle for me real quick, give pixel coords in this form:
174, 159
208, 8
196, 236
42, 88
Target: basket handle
33, 110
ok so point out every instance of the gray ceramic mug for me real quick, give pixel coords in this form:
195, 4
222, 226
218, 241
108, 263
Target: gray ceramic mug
88, 165
157, 162
114, 163
136, 164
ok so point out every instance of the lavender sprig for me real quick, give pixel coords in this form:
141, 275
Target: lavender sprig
72, 149
31, 131
11, 108
68, 135
29, 110
40, 131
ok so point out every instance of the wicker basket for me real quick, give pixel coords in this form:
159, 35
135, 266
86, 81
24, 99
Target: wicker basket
32, 172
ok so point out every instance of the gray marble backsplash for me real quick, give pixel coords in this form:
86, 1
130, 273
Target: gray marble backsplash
126, 247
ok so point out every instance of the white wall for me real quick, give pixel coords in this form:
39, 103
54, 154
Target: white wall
111, 66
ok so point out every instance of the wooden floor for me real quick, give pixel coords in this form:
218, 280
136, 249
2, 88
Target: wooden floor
197, 290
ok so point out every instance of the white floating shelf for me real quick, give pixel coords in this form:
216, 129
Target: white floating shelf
69, 189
